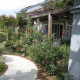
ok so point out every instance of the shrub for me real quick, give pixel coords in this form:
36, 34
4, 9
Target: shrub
50, 57
2, 37
1, 51
14, 38
10, 46
2, 66
10, 32
18, 43
38, 36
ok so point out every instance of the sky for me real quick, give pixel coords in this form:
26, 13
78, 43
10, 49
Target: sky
11, 7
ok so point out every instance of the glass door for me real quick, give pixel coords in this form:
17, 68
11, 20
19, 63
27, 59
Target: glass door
57, 29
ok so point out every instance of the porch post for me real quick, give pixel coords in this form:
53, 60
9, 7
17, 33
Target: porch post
74, 59
49, 24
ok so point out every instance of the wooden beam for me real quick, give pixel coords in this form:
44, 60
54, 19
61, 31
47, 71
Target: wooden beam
49, 24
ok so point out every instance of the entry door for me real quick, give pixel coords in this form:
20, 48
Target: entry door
57, 29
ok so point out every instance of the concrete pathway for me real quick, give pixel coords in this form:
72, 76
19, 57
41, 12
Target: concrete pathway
19, 69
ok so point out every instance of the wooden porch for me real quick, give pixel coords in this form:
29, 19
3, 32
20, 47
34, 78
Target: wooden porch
55, 20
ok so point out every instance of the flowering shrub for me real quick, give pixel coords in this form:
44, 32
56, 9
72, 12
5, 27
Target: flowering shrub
19, 33
27, 36
50, 57
27, 30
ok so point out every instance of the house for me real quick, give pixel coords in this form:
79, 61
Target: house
54, 20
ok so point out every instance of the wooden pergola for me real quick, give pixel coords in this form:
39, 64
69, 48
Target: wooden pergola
49, 11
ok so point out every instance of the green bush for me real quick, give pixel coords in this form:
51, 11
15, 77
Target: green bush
38, 36
2, 37
1, 51
53, 59
1, 27
14, 38
10, 32
2, 66
10, 46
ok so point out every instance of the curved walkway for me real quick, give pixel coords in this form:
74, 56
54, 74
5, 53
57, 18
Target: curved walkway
19, 69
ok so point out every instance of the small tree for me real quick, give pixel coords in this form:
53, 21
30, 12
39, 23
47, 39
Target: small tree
8, 21
12, 21
3, 20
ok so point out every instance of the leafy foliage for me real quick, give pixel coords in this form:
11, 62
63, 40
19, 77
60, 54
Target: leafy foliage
63, 3
2, 37
12, 21
10, 31
50, 57
19, 19
2, 66
8, 21
1, 51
